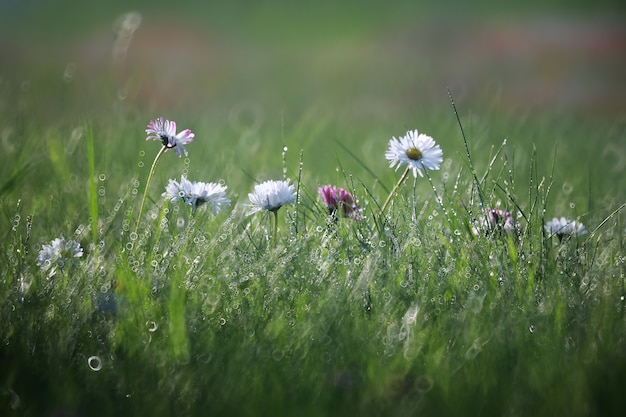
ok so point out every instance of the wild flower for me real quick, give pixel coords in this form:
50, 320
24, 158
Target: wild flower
165, 131
417, 150
271, 196
336, 198
501, 220
196, 194
563, 227
58, 254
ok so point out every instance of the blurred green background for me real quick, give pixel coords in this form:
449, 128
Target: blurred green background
365, 57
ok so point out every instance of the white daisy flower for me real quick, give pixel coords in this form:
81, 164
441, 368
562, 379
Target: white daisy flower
165, 131
563, 227
417, 150
174, 190
196, 194
57, 254
271, 196
209, 193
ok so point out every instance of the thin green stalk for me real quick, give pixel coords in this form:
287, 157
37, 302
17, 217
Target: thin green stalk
394, 190
145, 193
275, 228
93, 196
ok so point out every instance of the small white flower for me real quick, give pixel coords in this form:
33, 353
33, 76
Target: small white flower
209, 193
165, 131
57, 254
174, 190
271, 196
563, 227
196, 194
417, 150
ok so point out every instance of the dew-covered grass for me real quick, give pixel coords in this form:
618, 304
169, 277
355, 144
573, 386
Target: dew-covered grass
413, 312
421, 310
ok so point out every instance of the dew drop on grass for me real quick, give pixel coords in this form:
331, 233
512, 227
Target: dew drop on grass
423, 384
95, 363
567, 188
278, 355
473, 350
15, 399
152, 326
531, 329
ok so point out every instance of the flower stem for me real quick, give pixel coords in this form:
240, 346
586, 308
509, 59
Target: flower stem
394, 190
145, 193
275, 227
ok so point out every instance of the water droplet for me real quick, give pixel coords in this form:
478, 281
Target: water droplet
278, 355
15, 399
152, 326
531, 329
95, 363
567, 188
423, 384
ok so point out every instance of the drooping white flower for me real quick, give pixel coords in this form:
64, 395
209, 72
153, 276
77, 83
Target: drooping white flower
417, 150
196, 194
165, 131
209, 193
58, 254
174, 190
271, 195
563, 227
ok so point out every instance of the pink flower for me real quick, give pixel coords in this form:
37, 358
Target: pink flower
335, 198
500, 220
165, 131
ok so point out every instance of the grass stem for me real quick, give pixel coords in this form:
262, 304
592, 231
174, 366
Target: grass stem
394, 190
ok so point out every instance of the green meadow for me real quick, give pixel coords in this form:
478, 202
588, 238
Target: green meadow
421, 306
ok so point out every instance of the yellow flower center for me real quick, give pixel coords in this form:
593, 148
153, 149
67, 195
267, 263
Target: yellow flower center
414, 154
